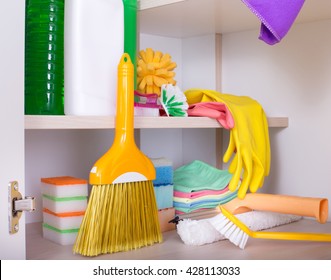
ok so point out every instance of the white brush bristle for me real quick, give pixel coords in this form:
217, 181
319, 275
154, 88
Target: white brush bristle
230, 231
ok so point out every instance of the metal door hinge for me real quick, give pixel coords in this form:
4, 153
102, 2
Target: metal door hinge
16, 205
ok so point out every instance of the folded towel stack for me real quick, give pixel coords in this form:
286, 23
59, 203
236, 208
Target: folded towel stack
163, 189
64, 205
199, 186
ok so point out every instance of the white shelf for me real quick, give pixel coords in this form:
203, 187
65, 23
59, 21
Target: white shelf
187, 18
173, 248
148, 4
104, 122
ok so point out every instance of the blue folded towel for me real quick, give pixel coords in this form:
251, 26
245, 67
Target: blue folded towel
203, 203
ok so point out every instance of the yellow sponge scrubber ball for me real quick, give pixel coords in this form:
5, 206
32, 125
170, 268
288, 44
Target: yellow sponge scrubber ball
154, 69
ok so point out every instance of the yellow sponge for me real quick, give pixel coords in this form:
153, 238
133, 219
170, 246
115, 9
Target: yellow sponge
154, 69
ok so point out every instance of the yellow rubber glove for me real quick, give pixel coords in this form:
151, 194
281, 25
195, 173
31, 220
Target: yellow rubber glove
249, 145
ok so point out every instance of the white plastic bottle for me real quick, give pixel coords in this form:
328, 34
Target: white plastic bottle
93, 46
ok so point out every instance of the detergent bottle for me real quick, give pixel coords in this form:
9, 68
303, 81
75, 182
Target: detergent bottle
44, 57
94, 43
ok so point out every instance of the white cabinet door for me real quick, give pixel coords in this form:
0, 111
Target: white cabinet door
12, 246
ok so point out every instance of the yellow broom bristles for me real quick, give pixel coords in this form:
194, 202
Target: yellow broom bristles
119, 217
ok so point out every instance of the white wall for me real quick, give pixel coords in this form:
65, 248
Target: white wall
289, 79
199, 64
195, 57
199, 71
51, 153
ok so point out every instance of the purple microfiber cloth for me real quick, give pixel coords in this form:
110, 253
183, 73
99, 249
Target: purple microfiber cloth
276, 17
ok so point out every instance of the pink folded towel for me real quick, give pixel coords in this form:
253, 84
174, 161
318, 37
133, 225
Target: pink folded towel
276, 16
214, 110
197, 194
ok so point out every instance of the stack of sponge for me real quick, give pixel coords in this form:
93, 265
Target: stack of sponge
163, 183
163, 189
64, 205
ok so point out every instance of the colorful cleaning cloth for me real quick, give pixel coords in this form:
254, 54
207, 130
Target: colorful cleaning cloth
276, 17
199, 185
209, 203
199, 176
249, 145
201, 198
214, 110
197, 194
183, 203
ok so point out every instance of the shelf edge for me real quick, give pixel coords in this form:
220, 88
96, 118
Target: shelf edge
108, 122
149, 4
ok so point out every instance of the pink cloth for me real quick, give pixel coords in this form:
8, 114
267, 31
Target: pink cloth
214, 110
199, 193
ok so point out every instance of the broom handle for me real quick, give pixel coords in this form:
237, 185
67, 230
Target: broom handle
124, 127
295, 205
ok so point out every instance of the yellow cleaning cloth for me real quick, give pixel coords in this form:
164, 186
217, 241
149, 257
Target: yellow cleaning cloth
249, 138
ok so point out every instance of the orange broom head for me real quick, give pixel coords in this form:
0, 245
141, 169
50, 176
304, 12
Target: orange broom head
123, 162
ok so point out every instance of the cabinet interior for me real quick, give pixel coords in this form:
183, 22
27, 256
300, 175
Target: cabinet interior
215, 46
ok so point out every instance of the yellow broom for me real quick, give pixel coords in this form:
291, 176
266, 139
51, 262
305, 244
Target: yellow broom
121, 214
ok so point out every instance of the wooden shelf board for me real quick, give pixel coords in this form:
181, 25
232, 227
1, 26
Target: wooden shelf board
148, 4
108, 122
173, 248
199, 17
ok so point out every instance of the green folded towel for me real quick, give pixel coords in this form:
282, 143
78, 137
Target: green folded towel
198, 175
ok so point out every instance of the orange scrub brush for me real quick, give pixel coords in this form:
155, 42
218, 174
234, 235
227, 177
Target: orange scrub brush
122, 213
